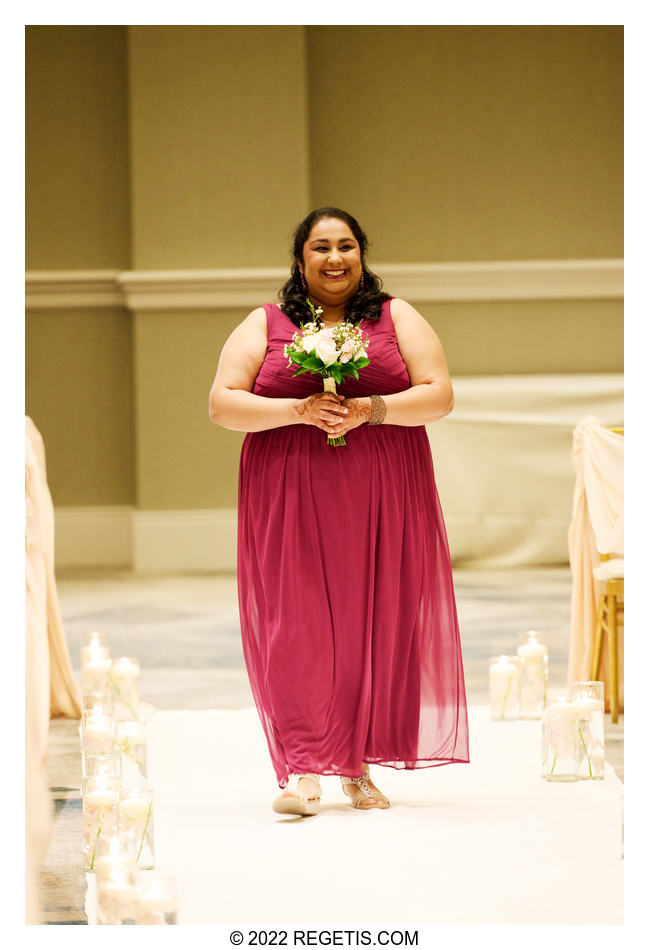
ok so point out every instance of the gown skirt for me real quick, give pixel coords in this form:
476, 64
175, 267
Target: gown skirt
348, 618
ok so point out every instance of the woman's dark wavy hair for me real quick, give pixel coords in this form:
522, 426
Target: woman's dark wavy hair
366, 302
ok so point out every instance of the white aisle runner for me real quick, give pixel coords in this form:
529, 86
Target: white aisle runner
490, 842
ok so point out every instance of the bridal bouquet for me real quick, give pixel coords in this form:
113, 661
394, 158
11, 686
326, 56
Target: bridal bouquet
330, 352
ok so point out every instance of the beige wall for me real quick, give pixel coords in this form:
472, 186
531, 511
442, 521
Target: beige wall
202, 147
76, 148
471, 143
79, 379
218, 144
184, 461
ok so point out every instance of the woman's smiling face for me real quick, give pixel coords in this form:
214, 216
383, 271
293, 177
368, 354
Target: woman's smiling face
332, 261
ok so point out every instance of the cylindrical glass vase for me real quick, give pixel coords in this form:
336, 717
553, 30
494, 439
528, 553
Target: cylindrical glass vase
100, 795
504, 673
130, 739
94, 765
136, 823
95, 662
97, 733
560, 738
533, 655
116, 871
589, 697
157, 898
125, 684
99, 703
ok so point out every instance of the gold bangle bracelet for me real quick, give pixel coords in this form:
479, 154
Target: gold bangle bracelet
378, 411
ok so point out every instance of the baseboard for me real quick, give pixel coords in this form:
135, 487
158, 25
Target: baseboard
205, 540
167, 541
198, 540
93, 536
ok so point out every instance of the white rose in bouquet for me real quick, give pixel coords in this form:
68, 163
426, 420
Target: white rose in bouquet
326, 350
310, 342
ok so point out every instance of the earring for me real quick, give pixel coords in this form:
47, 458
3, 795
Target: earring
304, 287
362, 283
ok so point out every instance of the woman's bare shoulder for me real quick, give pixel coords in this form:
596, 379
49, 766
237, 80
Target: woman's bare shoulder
401, 308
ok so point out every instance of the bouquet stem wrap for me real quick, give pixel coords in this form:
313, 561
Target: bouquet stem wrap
329, 386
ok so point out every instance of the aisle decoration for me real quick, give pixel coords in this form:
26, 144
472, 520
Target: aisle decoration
589, 699
331, 352
533, 674
560, 738
116, 873
504, 674
130, 739
124, 680
97, 732
100, 796
157, 898
136, 823
95, 662
103, 765
118, 815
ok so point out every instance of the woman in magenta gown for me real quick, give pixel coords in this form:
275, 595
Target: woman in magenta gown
346, 600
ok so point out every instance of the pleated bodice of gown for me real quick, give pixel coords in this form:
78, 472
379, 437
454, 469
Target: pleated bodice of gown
346, 601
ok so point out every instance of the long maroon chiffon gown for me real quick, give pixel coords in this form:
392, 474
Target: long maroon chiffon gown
347, 609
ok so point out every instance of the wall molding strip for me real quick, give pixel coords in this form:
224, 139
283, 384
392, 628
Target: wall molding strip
175, 290
73, 290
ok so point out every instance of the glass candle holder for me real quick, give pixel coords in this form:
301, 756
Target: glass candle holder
589, 697
95, 662
136, 823
130, 739
99, 703
504, 673
533, 655
559, 738
100, 795
97, 733
94, 765
116, 871
157, 898
125, 684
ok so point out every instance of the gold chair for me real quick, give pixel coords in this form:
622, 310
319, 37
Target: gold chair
610, 615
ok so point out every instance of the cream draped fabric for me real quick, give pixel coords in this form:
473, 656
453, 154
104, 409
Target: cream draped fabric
502, 463
597, 527
50, 686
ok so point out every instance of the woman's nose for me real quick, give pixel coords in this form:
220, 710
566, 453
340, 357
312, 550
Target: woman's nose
334, 256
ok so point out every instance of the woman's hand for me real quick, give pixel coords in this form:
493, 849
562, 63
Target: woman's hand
358, 411
322, 410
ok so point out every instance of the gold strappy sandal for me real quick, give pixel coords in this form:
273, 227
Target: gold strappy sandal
361, 789
296, 802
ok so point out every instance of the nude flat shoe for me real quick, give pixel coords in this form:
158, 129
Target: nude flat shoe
361, 789
297, 803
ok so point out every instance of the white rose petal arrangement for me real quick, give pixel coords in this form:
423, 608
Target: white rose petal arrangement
330, 352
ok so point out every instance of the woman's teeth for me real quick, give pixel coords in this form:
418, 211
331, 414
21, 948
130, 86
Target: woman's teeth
334, 273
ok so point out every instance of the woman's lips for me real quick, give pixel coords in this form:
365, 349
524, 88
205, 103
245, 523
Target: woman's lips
334, 275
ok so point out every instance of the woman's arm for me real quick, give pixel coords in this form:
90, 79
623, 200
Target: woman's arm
430, 396
232, 403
